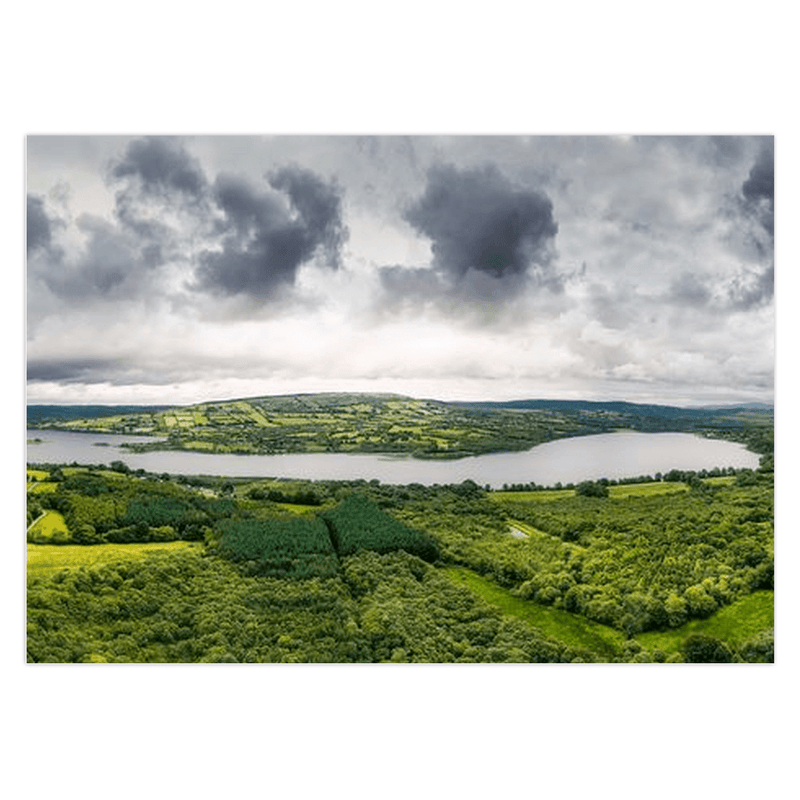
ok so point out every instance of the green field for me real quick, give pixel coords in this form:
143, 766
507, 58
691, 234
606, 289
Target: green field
51, 527
38, 474
614, 492
645, 489
726, 480
544, 496
571, 629
44, 487
46, 560
733, 624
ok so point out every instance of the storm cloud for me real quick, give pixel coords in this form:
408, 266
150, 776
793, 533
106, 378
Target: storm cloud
269, 233
477, 220
490, 241
759, 188
162, 167
38, 224
751, 289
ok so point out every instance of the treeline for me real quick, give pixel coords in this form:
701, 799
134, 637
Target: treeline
691, 477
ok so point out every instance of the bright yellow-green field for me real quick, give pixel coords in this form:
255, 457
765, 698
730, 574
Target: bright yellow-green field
42, 488
726, 480
614, 492
39, 474
296, 508
544, 496
733, 624
645, 489
45, 559
51, 526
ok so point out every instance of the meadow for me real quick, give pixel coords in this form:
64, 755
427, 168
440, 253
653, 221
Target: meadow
47, 560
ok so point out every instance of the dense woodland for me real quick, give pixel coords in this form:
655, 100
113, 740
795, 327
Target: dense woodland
357, 571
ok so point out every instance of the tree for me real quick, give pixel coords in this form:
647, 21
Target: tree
592, 489
698, 648
676, 610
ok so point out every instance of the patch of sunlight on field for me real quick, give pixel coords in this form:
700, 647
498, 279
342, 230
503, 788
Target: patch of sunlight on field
51, 525
45, 560
725, 480
544, 496
645, 489
733, 624
296, 508
199, 444
39, 474
42, 488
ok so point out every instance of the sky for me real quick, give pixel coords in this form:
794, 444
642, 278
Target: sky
180, 269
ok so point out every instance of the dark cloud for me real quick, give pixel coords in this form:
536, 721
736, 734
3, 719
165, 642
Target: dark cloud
757, 204
114, 264
751, 291
92, 370
320, 208
477, 220
490, 241
269, 234
759, 189
157, 175
688, 290
162, 166
38, 225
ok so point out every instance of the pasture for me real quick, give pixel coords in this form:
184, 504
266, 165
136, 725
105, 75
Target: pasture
46, 560
50, 528
733, 624
571, 629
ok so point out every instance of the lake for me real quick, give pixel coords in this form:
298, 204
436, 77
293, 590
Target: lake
608, 455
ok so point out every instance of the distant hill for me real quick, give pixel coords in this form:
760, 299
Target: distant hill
619, 407
390, 423
42, 414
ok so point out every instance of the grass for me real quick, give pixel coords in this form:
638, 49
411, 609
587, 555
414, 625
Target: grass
45, 560
544, 496
568, 628
530, 530
42, 488
50, 526
297, 508
645, 489
733, 624
614, 492
39, 474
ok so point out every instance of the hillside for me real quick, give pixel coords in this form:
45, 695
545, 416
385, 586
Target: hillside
385, 423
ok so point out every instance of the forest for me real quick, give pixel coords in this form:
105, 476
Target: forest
167, 568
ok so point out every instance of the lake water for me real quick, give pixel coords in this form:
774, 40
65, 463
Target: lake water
609, 455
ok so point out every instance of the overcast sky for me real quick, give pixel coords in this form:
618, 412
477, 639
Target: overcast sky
182, 269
